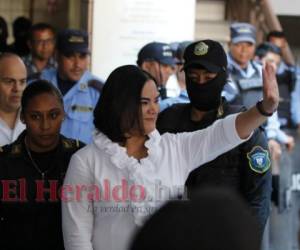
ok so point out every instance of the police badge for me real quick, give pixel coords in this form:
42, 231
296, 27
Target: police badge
201, 49
259, 160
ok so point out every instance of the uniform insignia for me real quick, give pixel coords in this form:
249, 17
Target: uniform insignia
16, 149
201, 49
259, 160
76, 39
244, 30
83, 86
71, 144
96, 84
67, 144
167, 51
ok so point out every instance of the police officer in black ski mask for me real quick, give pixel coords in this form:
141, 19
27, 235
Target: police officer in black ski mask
205, 69
246, 168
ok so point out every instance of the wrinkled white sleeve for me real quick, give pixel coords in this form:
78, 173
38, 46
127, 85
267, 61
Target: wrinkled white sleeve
77, 216
205, 145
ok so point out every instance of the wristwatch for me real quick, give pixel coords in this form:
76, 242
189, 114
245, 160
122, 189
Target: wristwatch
261, 109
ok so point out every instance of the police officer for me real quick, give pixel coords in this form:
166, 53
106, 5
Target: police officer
246, 85
288, 76
32, 172
278, 38
245, 168
81, 89
285, 79
245, 81
158, 60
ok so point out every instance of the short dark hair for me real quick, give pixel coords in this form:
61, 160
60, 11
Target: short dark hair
36, 88
275, 33
40, 27
118, 109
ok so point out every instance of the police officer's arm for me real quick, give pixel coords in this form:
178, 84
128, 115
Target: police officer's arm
256, 183
247, 121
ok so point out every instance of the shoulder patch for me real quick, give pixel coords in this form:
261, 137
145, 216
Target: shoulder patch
96, 84
259, 159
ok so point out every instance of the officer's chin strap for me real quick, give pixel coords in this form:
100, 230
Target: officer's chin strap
162, 89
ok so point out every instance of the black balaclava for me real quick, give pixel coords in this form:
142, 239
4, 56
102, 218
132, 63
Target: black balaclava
206, 96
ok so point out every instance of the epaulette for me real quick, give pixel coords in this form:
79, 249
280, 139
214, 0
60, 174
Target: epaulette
16, 149
71, 144
96, 84
13, 150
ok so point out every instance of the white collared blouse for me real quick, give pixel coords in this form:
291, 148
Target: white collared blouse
109, 194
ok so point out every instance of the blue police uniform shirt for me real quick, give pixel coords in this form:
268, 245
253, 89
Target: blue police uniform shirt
79, 104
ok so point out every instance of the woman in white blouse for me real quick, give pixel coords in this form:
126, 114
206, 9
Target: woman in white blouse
130, 169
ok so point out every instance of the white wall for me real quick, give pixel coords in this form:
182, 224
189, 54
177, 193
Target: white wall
286, 7
122, 27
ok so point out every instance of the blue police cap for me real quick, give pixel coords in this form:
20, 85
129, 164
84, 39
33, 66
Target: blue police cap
71, 41
242, 32
160, 52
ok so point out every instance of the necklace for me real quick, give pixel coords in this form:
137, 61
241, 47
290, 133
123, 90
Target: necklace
35, 165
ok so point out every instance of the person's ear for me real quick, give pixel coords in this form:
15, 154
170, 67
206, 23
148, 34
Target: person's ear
146, 65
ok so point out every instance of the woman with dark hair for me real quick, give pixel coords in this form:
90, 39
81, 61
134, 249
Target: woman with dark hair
32, 171
130, 170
